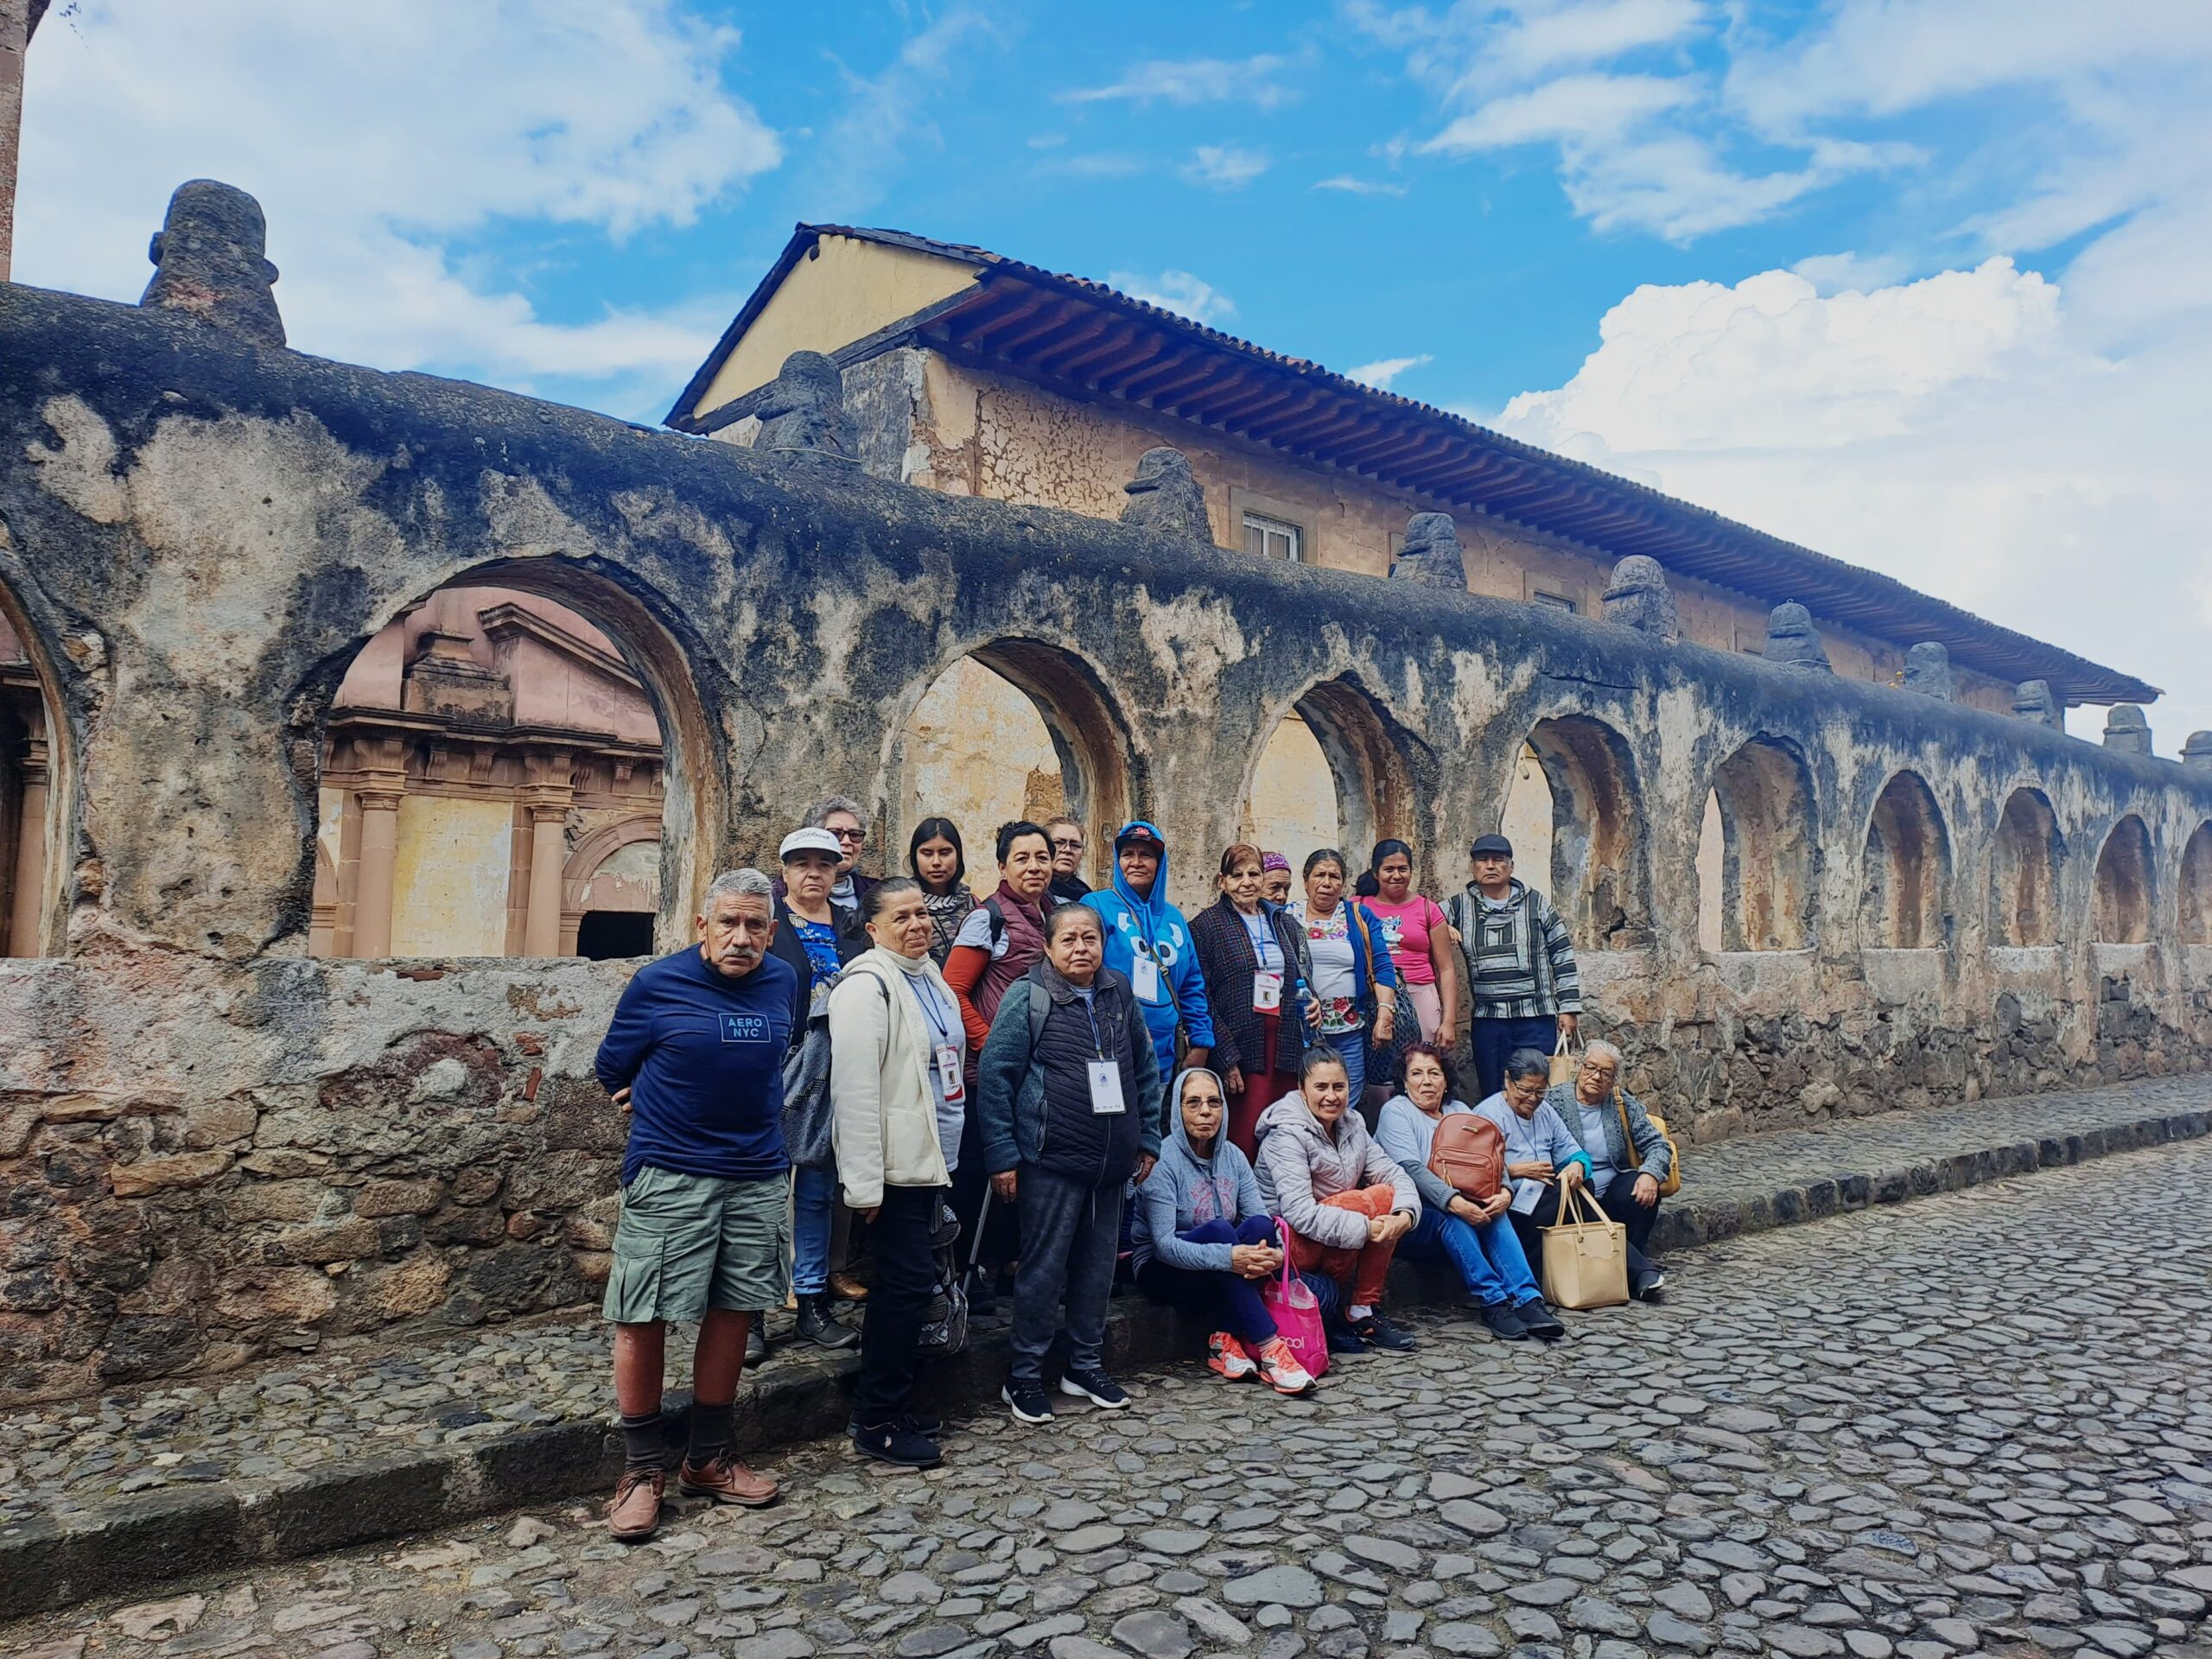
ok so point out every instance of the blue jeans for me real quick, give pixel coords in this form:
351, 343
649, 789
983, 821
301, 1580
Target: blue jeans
814, 1213
1490, 1259
1351, 1048
1493, 1040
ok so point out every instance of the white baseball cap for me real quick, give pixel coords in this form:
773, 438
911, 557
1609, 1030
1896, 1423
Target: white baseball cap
811, 840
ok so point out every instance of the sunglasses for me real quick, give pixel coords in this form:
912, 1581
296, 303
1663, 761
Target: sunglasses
849, 834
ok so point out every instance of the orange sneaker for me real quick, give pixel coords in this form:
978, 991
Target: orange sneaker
1279, 1370
1225, 1356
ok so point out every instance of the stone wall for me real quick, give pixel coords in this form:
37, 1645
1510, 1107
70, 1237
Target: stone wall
212, 1147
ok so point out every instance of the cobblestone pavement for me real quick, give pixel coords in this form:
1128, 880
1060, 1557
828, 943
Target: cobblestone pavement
345, 1403
1984, 1421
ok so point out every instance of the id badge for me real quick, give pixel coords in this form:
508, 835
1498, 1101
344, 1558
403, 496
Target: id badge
1527, 1196
950, 1073
1267, 992
1144, 976
1106, 1089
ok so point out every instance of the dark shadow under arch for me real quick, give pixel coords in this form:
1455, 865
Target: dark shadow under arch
1600, 874
1770, 857
2127, 896
2024, 870
1905, 903
1381, 771
34, 788
2195, 887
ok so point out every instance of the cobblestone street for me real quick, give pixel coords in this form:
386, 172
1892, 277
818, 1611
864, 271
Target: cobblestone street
1977, 1421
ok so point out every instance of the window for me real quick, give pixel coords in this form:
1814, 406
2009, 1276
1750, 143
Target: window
1273, 538
1557, 601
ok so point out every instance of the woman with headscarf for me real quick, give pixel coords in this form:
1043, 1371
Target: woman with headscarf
1253, 955
1275, 878
1205, 1242
939, 863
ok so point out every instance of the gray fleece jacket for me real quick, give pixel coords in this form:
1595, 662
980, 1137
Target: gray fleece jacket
1302, 1163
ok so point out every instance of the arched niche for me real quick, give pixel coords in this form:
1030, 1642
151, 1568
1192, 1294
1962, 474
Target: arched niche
610, 890
1015, 729
1759, 855
1337, 730
476, 741
33, 747
2024, 862
1905, 902
1600, 861
2196, 887
2127, 896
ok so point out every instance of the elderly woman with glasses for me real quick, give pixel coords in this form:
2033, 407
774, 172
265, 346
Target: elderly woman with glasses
1629, 1158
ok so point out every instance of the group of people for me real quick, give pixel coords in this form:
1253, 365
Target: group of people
1054, 1081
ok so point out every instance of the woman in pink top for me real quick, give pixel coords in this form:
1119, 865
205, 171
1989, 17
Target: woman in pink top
1420, 942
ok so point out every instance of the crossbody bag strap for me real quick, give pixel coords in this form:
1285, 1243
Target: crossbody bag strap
1628, 1135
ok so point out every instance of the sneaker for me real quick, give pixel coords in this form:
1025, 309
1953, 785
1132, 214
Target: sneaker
1504, 1323
1101, 1391
1539, 1321
894, 1442
726, 1481
1225, 1356
1652, 1287
919, 1422
1341, 1338
634, 1515
1377, 1332
1279, 1370
815, 1325
1028, 1402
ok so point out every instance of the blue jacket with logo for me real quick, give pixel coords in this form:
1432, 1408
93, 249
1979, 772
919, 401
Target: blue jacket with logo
1153, 925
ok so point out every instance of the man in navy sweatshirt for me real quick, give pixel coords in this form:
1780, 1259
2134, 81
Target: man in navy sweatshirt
698, 1041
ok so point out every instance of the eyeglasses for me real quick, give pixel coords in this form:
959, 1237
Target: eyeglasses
1069, 843
849, 834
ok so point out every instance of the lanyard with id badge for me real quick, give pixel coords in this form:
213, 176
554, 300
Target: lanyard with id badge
1267, 982
951, 1070
1105, 1075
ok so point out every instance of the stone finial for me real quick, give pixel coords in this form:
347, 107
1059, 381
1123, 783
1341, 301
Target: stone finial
2032, 701
1165, 497
2128, 729
1927, 670
1792, 641
1637, 598
2196, 751
803, 410
1430, 552
209, 261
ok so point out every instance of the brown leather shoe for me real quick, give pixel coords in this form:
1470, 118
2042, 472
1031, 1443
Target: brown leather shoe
726, 1481
634, 1515
846, 1288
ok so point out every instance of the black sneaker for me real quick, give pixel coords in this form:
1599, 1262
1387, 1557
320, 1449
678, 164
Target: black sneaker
1341, 1339
1378, 1332
815, 1325
1028, 1402
894, 1442
919, 1422
1101, 1391
1652, 1287
1504, 1323
1539, 1320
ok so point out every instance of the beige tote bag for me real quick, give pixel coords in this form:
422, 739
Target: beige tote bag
1585, 1255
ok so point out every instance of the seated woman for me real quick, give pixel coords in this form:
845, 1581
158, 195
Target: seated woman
1629, 1158
1205, 1242
1473, 1234
1344, 1199
1541, 1157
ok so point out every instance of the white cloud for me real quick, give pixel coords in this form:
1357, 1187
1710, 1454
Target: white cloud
1965, 433
378, 138
1381, 373
885, 115
1574, 107
1351, 186
1535, 39
1225, 167
1832, 273
1196, 80
1177, 291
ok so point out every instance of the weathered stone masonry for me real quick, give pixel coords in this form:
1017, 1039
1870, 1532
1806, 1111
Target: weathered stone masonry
212, 1146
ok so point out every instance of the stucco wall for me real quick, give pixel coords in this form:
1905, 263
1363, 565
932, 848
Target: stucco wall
212, 1147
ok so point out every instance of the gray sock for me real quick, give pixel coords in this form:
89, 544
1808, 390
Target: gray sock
642, 1446
710, 1433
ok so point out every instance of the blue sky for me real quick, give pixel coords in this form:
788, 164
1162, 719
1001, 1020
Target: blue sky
1920, 283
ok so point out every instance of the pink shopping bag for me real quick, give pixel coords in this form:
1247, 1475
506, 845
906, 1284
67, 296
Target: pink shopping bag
1297, 1315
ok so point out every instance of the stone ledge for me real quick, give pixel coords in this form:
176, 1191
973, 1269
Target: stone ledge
120, 1544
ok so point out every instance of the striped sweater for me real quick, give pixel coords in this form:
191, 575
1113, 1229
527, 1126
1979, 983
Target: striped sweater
1520, 962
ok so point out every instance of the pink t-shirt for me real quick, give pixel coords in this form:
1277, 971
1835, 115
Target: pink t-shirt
1406, 927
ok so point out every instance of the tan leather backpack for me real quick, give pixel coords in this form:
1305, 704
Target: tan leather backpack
1468, 1154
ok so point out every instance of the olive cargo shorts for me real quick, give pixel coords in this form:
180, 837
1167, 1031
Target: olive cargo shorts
689, 1243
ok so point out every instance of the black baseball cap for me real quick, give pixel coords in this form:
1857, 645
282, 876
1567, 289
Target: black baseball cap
1491, 844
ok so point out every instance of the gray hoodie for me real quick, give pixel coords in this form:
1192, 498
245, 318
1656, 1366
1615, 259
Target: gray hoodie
1302, 1163
1185, 1190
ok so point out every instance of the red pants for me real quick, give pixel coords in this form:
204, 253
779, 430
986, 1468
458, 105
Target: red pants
1264, 1086
1362, 1270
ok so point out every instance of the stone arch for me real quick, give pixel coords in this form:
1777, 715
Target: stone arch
595, 888
34, 748
1371, 759
2024, 862
975, 761
1599, 874
1759, 866
1905, 902
2196, 887
477, 718
2127, 896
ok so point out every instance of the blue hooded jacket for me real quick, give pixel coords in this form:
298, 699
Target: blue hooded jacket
1133, 924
